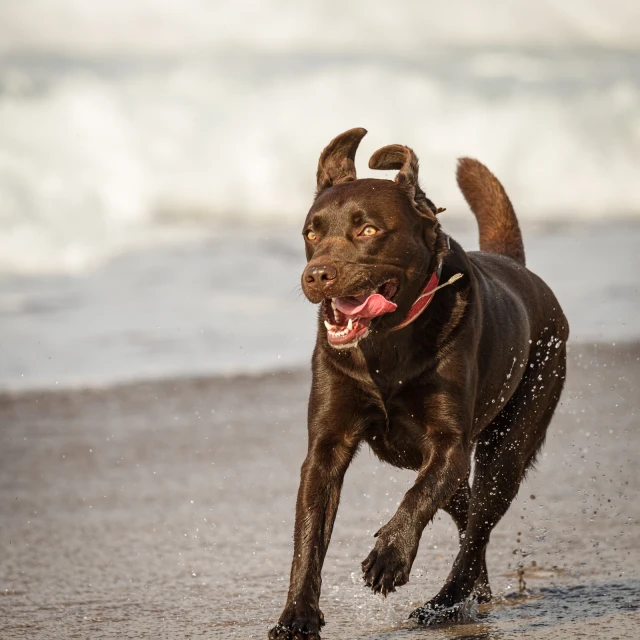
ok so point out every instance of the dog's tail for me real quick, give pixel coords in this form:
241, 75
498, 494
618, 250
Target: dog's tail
497, 222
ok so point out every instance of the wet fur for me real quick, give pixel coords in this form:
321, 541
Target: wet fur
478, 374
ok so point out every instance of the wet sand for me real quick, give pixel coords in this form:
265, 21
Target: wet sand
165, 510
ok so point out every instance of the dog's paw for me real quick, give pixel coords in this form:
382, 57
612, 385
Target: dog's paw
298, 625
388, 566
280, 632
432, 615
482, 592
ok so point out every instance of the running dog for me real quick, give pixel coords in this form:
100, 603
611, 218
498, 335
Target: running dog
429, 354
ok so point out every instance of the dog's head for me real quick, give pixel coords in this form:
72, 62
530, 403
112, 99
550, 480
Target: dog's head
370, 243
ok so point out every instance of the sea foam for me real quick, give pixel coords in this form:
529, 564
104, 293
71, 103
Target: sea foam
111, 142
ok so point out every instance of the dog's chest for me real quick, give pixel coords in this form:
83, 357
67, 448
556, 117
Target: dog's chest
395, 428
395, 435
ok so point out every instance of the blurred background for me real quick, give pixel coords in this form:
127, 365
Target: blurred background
157, 160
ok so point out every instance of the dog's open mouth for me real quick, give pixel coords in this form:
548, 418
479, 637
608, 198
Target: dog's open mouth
348, 318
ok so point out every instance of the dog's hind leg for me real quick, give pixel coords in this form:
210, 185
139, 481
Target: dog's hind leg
458, 509
504, 452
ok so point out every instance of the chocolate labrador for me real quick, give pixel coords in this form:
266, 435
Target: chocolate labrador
429, 354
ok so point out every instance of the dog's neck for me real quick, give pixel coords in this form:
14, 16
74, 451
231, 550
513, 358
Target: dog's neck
423, 300
429, 291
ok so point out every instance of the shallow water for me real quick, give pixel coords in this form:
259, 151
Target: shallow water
232, 303
166, 510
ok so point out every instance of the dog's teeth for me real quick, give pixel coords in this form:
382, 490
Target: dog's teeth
328, 325
350, 325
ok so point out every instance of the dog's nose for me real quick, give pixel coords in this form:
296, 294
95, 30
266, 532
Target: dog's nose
320, 275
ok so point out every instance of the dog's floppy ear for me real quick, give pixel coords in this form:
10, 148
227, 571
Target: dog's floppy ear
397, 156
337, 161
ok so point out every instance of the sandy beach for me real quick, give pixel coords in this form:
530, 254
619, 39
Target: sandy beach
165, 509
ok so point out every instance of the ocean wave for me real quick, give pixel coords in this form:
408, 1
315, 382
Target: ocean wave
100, 155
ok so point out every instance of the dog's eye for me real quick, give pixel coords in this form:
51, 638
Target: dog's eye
311, 235
369, 231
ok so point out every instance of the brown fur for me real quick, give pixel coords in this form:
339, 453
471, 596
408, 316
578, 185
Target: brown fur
499, 229
337, 161
477, 375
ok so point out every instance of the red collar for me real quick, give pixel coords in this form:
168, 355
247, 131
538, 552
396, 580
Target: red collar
423, 300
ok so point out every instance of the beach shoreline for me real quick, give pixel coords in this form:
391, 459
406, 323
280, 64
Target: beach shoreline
166, 312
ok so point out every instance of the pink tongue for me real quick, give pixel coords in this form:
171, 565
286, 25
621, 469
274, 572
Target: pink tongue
374, 305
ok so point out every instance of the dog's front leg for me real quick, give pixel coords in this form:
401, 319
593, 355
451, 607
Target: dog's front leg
331, 449
446, 466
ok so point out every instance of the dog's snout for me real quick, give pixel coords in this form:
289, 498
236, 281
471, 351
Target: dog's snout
320, 275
